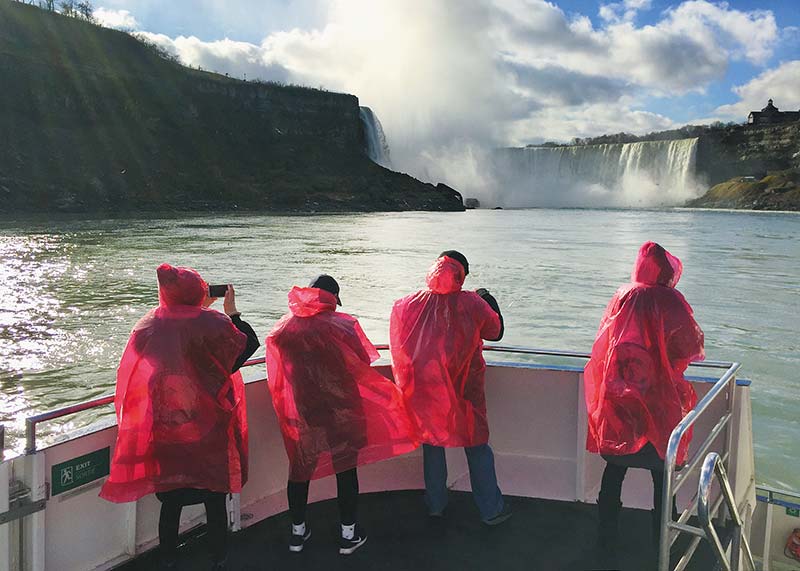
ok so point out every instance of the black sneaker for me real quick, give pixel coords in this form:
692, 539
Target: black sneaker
348, 546
297, 541
504, 514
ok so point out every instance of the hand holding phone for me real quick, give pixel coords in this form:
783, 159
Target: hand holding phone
217, 290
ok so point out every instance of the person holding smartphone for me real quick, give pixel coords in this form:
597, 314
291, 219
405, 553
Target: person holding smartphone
436, 339
181, 415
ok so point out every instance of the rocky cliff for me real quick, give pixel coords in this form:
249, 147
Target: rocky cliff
747, 150
94, 119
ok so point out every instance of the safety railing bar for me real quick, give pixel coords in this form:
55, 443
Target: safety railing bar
698, 457
573, 354
733, 510
687, 513
665, 541
686, 528
700, 408
32, 421
772, 491
688, 554
714, 465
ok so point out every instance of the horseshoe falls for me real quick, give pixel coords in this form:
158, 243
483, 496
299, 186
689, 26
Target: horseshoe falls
642, 174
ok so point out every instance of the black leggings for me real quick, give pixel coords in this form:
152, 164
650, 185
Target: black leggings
172, 503
614, 475
347, 496
617, 467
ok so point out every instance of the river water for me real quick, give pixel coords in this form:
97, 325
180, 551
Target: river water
71, 289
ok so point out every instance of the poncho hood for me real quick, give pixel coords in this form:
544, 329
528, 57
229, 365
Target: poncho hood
180, 286
308, 301
655, 266
446, 275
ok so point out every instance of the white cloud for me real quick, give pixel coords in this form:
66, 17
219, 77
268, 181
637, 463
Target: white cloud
782, 84
119, 19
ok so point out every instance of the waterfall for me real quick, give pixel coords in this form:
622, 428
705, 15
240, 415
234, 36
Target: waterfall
376, 146
650, 173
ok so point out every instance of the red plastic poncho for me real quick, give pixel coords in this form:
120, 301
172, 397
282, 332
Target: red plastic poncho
180, 411
436, 342
335, 411
635, 389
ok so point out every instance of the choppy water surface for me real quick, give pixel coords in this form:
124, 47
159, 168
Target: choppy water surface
70, 290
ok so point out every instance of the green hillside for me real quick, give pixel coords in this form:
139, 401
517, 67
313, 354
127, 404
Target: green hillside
92, 119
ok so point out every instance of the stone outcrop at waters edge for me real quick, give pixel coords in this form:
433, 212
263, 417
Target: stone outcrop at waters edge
93, 119
778, 190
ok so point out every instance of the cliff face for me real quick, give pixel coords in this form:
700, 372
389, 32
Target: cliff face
747, 150
93, 119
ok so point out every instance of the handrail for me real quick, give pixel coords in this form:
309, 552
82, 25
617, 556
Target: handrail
713, 465
32, 421
726, 385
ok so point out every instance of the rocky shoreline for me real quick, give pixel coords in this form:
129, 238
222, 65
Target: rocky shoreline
778, 190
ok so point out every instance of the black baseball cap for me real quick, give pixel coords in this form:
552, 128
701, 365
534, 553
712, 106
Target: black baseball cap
458, 257
326, 282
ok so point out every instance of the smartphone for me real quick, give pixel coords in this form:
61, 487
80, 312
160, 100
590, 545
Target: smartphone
217, 290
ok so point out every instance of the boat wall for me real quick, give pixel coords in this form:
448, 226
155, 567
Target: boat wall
538, 424
776, 516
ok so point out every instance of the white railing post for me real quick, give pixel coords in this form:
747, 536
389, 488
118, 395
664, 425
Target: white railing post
234, 512
33, 526
5, 529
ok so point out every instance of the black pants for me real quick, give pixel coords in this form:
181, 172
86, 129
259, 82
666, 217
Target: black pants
617, 467
347, 496
172, 503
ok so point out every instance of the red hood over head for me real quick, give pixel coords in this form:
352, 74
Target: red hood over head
446, 275
180, 286
308, 301
656, 266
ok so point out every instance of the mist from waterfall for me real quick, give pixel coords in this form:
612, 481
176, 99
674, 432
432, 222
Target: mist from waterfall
376, 146
643, 174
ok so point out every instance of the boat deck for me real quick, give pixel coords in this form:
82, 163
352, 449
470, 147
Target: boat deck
543, 535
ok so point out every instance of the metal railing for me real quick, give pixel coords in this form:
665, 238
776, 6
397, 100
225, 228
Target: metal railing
713, 465
724, 388
32, 421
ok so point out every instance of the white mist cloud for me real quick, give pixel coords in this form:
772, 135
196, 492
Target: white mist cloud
118, 19
450, 79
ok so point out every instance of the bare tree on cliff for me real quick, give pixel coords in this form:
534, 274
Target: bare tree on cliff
67, 7
49, 5
85, 10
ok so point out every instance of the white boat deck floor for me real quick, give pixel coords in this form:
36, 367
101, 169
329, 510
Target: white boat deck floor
542, 535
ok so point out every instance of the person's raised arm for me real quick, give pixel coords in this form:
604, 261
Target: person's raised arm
229, 307
492, 303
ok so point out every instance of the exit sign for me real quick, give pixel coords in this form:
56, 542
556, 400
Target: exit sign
795, 512
79, 471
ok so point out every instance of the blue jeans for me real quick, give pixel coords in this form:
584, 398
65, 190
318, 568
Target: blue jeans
482, 477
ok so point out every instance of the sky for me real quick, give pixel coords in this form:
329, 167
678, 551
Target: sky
450, 78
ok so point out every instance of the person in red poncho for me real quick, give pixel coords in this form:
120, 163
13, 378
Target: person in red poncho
182, 429
635, 390
335, 411
436, 344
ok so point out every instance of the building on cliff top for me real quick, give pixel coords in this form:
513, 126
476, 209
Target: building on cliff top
770, 114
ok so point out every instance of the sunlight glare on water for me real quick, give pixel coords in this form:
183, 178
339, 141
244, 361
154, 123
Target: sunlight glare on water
71, 290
